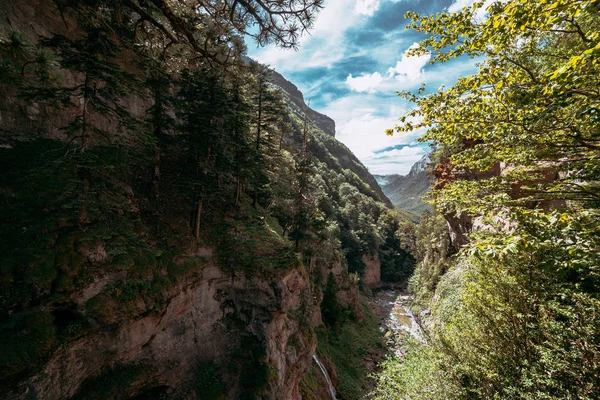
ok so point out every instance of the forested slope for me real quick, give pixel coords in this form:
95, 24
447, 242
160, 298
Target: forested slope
407, 192
508, 274
168, 222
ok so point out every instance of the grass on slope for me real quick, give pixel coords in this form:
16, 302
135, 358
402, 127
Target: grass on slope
348, 347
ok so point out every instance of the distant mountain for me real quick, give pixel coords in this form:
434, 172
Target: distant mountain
406, 191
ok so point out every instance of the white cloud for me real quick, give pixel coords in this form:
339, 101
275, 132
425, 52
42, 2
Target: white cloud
366, 7
406, 151
481, 15
364, 83
361, 121
323, 46
364, 134
405, 74
396, 161
409, 69
363, 115
459, 5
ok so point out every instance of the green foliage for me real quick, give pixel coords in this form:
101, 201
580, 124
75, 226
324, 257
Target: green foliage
309, 383
251, 366
433, 249
129, 194
532, 105
515, 318
118, 382
334, 314
43, 213
251, 244
347, 347
397, 264
528, 304
515, 313
423, 372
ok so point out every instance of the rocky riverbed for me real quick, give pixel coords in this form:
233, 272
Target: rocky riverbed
395, 317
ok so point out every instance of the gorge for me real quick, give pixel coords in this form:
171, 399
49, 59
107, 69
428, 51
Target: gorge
177, 223
191, 235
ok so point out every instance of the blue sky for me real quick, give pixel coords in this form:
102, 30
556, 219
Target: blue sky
351, 65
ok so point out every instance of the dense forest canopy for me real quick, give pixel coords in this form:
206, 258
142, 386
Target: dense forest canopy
515, 312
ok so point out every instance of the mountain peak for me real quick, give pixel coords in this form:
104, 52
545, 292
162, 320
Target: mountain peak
406, 191
420, 166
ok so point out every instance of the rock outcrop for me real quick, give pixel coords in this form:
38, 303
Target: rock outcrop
347, 293
372, 273
37, 19
460, 225
204, 320
299, 107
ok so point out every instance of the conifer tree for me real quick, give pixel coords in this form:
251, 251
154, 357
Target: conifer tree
160, 119
100, 91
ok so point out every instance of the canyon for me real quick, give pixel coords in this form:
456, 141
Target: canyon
195, 288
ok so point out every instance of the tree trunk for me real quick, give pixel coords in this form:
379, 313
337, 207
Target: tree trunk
258, 125
84, 217
84, 134
255, 201
198, 215
156, 176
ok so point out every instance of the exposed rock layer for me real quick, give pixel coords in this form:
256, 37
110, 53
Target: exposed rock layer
296, 97
194, 328
372, 274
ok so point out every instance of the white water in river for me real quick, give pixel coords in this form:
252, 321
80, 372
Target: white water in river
399, 320
326, 375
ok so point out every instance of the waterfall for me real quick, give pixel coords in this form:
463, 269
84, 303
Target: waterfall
326, 375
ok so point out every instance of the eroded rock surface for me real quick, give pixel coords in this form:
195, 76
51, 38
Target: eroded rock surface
197, 326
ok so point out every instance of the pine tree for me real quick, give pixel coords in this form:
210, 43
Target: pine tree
160, 119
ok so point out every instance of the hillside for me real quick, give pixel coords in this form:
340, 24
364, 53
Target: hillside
507, 285
345, 158
171, 225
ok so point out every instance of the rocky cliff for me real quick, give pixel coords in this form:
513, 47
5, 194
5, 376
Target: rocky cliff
343, 155
299, 106
245, 323
372, 274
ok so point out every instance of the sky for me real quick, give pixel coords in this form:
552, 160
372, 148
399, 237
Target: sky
351, 65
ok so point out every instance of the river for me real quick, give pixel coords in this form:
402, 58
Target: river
396, 317
396, 320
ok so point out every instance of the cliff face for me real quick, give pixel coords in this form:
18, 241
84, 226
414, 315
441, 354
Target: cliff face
460, 225
216, 317
299, 107
343, 155
117, 297
372, 273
